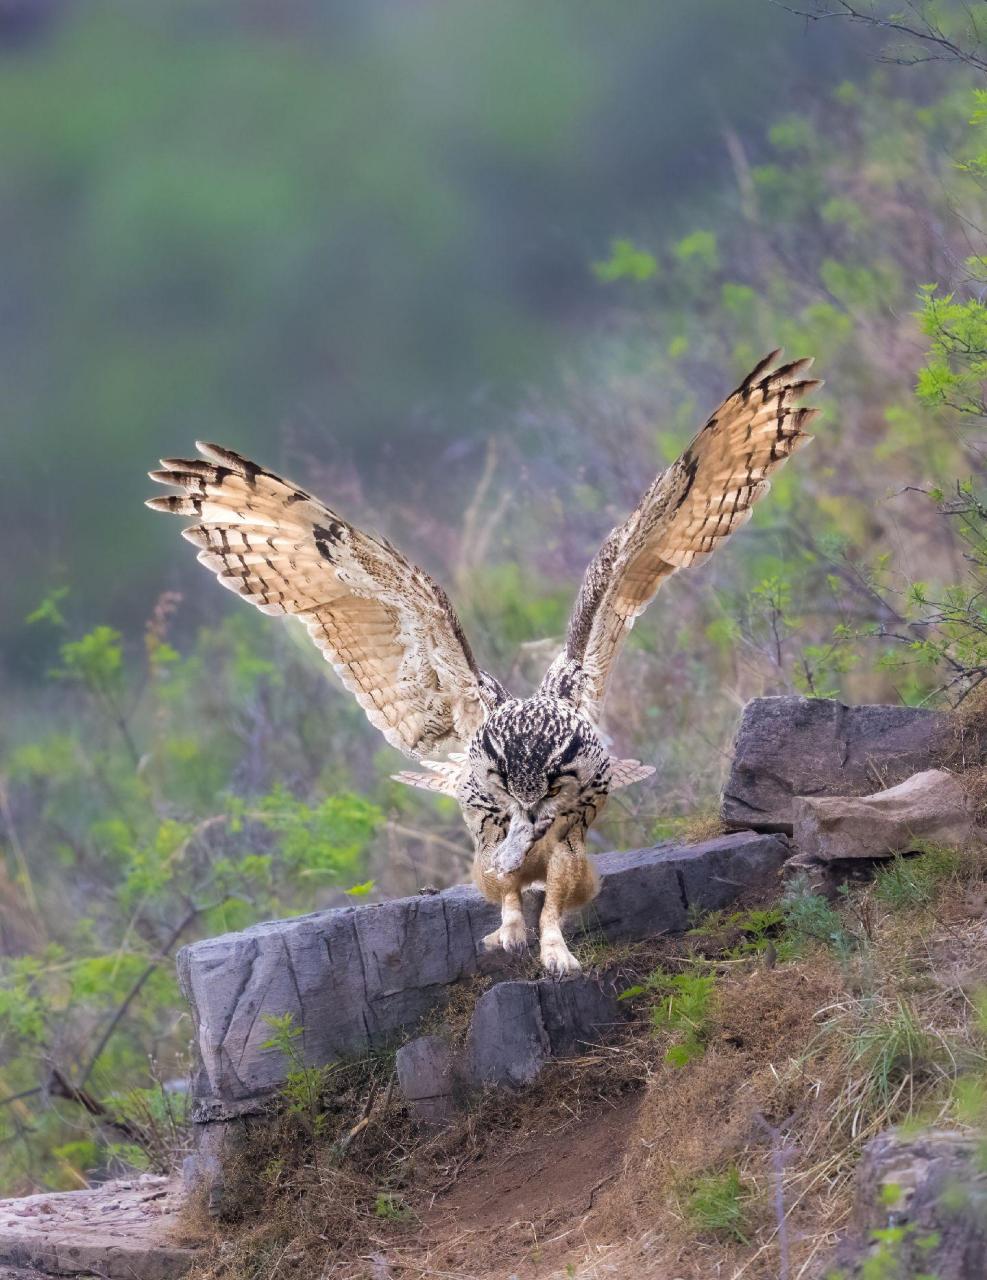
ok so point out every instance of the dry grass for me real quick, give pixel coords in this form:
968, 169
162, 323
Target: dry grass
700, 827
962, 746
805, 1061
812, 1060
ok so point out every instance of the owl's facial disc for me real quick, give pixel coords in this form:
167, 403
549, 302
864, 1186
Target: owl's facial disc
532, 754
536, 758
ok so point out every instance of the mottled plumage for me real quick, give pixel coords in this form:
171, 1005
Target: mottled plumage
531, 775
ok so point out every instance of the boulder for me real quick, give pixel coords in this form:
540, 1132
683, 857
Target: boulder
428, 1077
929, 806
117, 1230
930, 1192
518, 1026
357, 978
789, 747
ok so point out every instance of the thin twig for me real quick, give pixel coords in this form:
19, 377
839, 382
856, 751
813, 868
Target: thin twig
135, 990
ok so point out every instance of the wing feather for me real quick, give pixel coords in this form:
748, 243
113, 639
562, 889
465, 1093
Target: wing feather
386, 627
689, 510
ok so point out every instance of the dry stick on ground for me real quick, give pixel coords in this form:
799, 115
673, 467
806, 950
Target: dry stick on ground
781, 1154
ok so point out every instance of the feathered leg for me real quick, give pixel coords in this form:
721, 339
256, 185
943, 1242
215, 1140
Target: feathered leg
570, 882
512, 934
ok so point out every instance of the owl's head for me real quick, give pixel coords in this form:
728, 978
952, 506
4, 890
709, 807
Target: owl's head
535, 750
541, 763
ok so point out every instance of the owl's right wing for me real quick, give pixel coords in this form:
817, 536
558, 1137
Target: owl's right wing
689, 511
388, 629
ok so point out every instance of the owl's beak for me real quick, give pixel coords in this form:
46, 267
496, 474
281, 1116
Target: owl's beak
513, 849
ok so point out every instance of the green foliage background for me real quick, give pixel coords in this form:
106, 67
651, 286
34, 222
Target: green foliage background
474, 272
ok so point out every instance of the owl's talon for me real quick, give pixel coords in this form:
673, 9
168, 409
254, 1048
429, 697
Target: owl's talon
511, 937
558, 959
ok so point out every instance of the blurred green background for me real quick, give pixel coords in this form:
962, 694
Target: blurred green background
471, 272
343, 233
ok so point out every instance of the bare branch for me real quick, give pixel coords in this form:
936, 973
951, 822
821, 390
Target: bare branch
925, 31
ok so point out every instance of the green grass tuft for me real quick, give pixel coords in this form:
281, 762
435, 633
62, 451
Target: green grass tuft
894, 1051
915, 881
718, 1204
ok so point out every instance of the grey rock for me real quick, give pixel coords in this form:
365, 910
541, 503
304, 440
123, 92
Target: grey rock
428, 1077
578, 1012
118, 1230
927, 806
518, 1026
515, 1029
203, 1170
357, 978
931, 1185
508, 1043
788, 747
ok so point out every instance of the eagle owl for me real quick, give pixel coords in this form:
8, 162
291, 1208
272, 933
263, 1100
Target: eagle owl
530, 774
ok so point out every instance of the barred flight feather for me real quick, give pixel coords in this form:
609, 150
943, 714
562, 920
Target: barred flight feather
390, 631
689, 510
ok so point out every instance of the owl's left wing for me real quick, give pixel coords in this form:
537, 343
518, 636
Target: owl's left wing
388, 629
690, 510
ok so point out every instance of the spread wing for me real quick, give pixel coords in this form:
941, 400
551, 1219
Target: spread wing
387, 628
690, 510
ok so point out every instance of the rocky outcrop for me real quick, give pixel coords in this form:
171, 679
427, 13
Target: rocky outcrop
929, 806
789, 747
920, 1209
357, 978
118, 1230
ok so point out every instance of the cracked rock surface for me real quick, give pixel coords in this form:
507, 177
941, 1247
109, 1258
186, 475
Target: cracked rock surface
790, 746
118, 1231
357, 978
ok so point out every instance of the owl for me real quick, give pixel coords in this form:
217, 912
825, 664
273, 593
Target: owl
530, 774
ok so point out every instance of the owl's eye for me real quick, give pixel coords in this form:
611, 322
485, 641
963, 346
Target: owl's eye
554, 790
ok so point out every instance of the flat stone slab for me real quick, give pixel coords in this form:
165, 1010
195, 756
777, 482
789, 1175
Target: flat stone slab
788, 747
358, 978
117, 1231
930, 806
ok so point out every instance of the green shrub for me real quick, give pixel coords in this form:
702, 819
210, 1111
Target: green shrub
684, 1009
811, 918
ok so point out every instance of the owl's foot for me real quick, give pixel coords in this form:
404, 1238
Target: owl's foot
557, 958
512, 936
